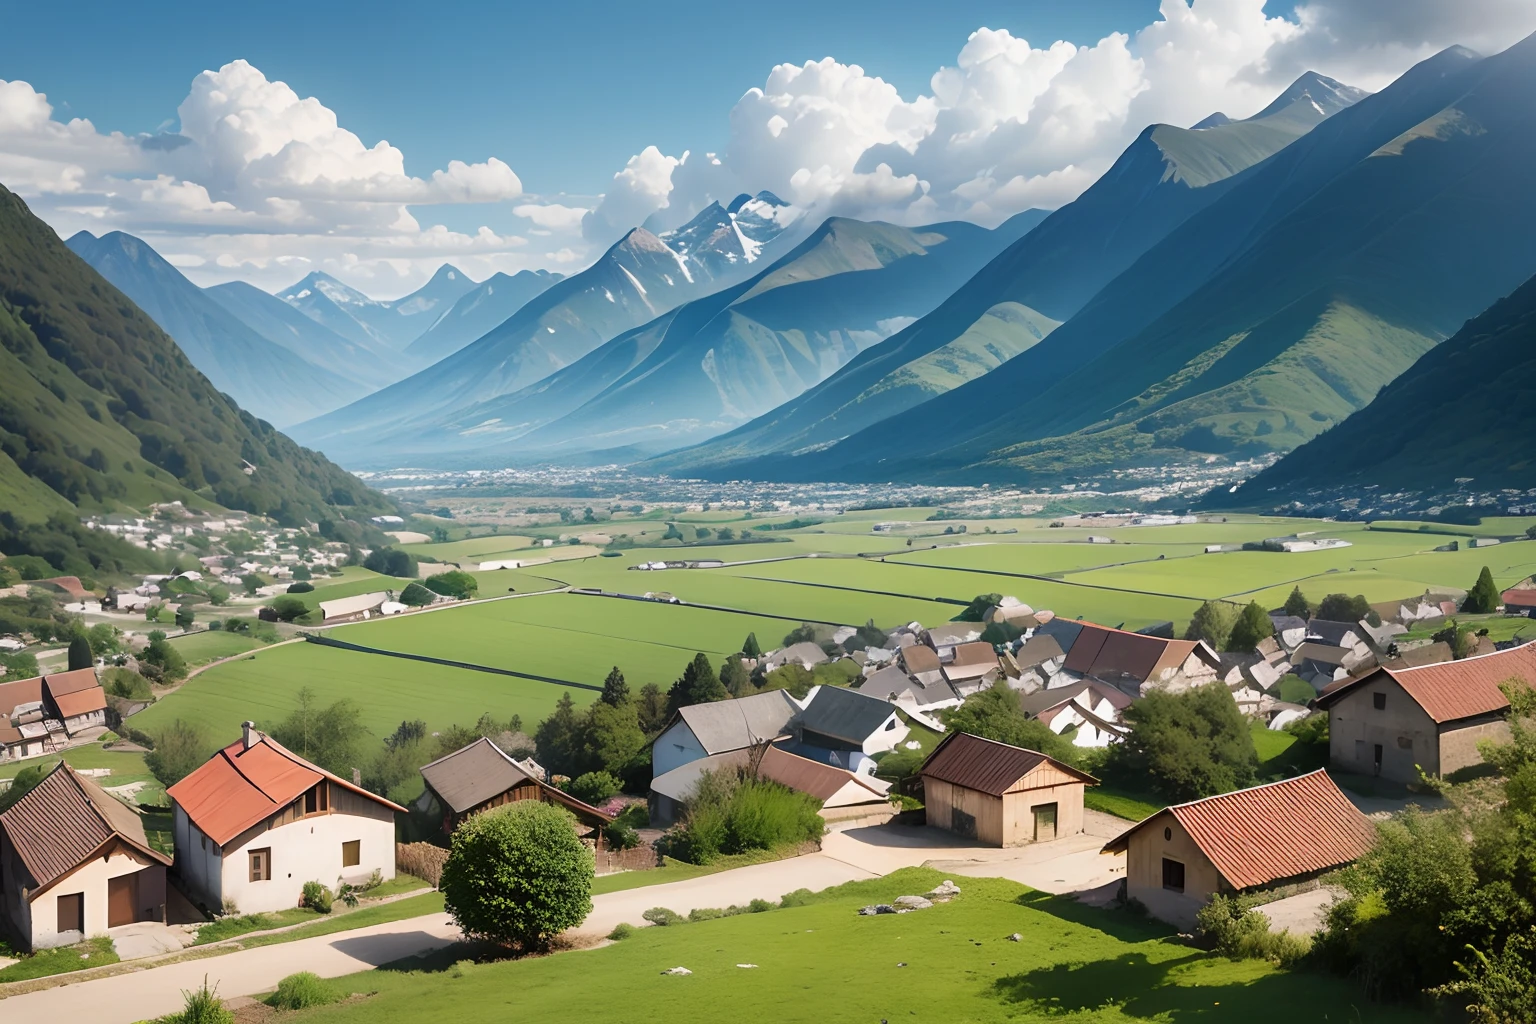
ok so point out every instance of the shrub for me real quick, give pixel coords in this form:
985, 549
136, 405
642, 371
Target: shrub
662, 917
759, 906
317, 897
163, 655
203, 1006
454, 583
518, 875
180, 748
621, 836
301, 588
390, 562
798, 898
125, 683
594, 787
1240, 933
622, 931
288, 608
705, 914
301, 991
416, 596
1311, 730
1187, 745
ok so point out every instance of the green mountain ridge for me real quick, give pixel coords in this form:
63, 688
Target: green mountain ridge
101, 410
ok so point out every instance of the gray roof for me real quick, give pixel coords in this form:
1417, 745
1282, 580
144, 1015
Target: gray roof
733, 724
1282, 623
1037, 650
1064, 630
954, 633
892, 682
805, 652
471, 775
1335, 633
844, 714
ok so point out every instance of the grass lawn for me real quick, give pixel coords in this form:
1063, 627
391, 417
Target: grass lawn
1281, 755
234, 927
210, 645
126, 766
821, 963
95, 952
1122, 803
680, 871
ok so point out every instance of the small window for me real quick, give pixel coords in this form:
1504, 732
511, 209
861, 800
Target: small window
261, 864
890, 725
352, 853
1379, 700
317, 800
1168, 835
1173, 875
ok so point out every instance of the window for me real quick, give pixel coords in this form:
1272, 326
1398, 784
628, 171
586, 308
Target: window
72, 912
352, 853
317, 800
1379, 700
890, 725
261, 864
1173, 875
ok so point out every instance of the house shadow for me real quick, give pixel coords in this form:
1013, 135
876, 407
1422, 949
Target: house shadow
378, 950
1113, 921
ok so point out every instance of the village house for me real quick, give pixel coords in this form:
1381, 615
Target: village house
897, 686
847, 799
46, 713
1093, 709
1001, 795
845, 728
970, 667
1136, 663
1280, 833
944, 639
75, 862
256, 821
705, 729
481, 776
1520, 601
805, 654
1394, 721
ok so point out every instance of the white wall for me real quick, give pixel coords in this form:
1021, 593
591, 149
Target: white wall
91, 880
198, 861
306, 850
890, 734
675, 748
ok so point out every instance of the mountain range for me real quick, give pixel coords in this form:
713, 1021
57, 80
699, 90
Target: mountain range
392, 324
101, 409
476, 312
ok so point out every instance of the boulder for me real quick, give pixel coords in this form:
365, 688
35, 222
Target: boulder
913, 903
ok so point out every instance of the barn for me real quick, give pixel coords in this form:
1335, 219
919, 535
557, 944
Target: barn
1001, 795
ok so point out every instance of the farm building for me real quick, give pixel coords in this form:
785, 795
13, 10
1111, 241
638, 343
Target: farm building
354, 608
846, 798
481, 776
75, 862
1393, 721
256, 821
1001, 795
45, 713
1276, 834
845, 728
704, 729
1520, 601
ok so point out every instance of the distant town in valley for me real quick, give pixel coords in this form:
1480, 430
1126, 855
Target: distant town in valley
1045, 535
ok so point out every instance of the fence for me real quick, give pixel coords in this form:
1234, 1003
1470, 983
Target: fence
423, 860
640, 858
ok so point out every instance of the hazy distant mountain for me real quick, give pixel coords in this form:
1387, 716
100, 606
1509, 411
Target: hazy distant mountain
356, 317
1162, 179
476, 312
426, 305
102, 410
1279, 309
637, 279
1466, 409
735, 354
368, 362
269, 380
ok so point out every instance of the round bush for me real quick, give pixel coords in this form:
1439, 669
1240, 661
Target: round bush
317, 897
301, 991
594, 787
518, 875
301, 588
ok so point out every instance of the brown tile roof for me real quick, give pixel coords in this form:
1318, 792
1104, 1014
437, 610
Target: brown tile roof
1523, 597
65, 819
239, 786
75, 693
1103, 651
919, 658
21, 691
1040, 648
1271, 832
1456, 689
476, 773
988, 766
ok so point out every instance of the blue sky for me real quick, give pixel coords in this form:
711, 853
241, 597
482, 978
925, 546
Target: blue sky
564, 99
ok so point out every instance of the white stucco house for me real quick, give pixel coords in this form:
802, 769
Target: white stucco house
256, 821
705, 729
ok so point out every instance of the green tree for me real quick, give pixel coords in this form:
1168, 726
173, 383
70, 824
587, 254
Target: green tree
794, 678
615, 689
994, 713
518, 876
454, 583
871, 635
697, 685
1212, 622
735, 677
1484, 597
390, 562
80, 654
179, 749
21, 665
1343, 608
751, 648
651, 709
126, 683
594, 788
606, 738
416, 596
1187, 745
250, 584
978, 607
1530, 532
1253, 624
288, 608
558, 736
164, 656
1298, 605
331, 735
302, 572
104, 639
800, 634
22, 784
184, 616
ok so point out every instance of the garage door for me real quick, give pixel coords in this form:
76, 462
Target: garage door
122, 897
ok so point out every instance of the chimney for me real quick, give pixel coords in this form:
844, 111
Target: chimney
357, 776
248, 734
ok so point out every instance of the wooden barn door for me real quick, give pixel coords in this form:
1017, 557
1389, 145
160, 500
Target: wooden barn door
1045, 822
122, 894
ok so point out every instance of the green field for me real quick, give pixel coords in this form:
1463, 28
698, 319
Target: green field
822, 963
201, 648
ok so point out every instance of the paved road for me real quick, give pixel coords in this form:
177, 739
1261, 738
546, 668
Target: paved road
1066, 865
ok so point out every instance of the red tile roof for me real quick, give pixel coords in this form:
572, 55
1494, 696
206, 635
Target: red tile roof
239, 786
1276, 831
988, 766
1519, 597
76, 693
1454, 690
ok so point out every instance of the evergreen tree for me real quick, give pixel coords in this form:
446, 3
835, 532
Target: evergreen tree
556, 737
80, 653
1253, 624
751, 648
697, 685
1484, 596
1298, 605
651, 709
615, 689
1212, 622
735, 678
608, 738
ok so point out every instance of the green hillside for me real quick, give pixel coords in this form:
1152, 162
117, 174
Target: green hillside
101, 410
1467, 408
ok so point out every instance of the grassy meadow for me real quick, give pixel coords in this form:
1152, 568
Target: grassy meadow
822, 963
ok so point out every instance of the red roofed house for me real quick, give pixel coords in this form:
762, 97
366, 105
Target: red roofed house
1393, 721
1001, 795
78, 698
1520, 601
74, 862
45, 713
1254, 839
256, 821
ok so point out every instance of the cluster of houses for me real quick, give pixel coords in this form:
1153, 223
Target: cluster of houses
48, 713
